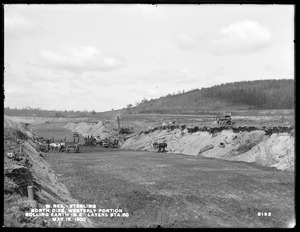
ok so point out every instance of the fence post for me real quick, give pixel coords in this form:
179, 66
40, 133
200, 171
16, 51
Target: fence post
31, 196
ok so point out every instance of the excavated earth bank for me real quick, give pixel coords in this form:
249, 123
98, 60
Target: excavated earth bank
24, 168
266, 146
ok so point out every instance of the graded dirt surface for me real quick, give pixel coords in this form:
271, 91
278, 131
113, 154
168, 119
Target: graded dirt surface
174, 190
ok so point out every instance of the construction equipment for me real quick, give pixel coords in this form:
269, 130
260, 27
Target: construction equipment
126, 130
224, 120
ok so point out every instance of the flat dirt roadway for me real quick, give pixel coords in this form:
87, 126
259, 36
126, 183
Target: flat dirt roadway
171, 190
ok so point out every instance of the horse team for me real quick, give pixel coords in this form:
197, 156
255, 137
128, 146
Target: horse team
160, 146
59, 147
46, 145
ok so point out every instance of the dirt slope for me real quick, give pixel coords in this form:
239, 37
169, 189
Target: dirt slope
266, 146
257, 145
28, 167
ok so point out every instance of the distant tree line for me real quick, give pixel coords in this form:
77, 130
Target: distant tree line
38, 112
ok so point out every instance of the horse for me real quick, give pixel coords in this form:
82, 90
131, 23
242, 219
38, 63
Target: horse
57, 146
62, 146
160, 146
155, 145
53, 146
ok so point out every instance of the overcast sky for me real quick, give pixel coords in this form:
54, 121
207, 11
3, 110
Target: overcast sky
99, 57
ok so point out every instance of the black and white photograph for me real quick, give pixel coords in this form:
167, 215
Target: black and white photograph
149, 115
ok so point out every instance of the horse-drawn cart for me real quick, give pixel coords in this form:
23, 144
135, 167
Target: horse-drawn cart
74, 146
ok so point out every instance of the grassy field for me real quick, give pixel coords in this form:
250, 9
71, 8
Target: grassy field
168, 190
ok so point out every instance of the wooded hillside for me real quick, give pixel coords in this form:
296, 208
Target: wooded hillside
262, 94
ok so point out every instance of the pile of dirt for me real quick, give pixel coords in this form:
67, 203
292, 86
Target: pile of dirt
25, 166
272, 147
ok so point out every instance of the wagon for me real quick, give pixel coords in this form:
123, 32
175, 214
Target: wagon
44, 147
73, 146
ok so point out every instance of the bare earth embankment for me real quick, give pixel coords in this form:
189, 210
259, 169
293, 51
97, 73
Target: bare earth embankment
29, 168
268, 146
271, 146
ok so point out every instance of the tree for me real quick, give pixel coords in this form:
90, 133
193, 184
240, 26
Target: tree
129, 106
144, 100
58, 115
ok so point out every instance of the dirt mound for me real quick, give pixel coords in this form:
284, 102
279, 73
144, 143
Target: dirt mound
272, 147
25, 166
